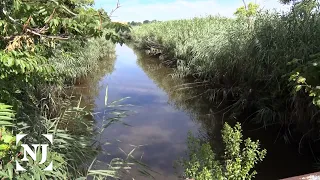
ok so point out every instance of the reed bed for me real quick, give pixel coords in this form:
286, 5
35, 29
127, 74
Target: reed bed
81, 59
246, 64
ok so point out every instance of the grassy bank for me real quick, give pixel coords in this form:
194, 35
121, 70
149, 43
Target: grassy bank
268, 65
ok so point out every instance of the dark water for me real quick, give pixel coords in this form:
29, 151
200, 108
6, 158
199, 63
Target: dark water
164, 115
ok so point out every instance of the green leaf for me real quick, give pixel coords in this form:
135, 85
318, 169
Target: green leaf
301, 79
10, 170
4, 147
5, 123
298, 87
108, 36
55, 22
10, 62
7, 138
3, 174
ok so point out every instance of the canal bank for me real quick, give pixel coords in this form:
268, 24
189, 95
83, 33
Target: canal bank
164, 111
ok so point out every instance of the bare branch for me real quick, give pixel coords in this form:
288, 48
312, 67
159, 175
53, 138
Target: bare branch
51, 16
45, 36
27, 23
113, 10
45, 27
245, 5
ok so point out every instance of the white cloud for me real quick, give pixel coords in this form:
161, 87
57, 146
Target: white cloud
180, 9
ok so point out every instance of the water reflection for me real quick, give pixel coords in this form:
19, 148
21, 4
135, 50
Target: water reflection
188, 99
164, 116
88, 87
84, 92
157, 125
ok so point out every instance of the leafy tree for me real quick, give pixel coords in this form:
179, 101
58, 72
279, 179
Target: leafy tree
247, 11
288, 1
30, 29
146, 21
133, 23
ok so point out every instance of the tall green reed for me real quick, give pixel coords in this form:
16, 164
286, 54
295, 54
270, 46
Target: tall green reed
247, 67
77, 60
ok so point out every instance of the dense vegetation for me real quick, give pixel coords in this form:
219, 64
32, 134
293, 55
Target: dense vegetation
262, 61
264, 64
45, 47
237, 163
267, 66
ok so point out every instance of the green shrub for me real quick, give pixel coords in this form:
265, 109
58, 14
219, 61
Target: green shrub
238, 162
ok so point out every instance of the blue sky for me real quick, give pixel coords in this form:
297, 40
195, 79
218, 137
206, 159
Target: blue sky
139, 10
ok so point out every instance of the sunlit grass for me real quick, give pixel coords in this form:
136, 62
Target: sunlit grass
245, 66
80, 59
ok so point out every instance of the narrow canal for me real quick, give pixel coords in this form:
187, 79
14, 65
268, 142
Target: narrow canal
162, 117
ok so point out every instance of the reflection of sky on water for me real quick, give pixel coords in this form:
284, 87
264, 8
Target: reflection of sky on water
163, 129
155, 123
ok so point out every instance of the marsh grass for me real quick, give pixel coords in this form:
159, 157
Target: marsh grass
76, 60
245, 67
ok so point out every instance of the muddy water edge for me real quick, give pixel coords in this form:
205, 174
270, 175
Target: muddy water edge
163, 113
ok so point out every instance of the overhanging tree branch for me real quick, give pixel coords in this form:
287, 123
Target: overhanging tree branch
45, 36
30, 30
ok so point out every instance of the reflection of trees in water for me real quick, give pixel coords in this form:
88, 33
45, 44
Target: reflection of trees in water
88, 87
190, 100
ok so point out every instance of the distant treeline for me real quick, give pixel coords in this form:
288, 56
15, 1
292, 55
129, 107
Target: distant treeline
133, 23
